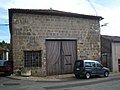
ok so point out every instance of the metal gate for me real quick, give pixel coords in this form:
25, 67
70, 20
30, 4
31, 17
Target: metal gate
61, 55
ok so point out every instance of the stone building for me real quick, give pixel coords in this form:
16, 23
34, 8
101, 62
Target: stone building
47, 42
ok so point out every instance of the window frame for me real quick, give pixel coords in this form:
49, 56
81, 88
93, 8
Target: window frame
30, 56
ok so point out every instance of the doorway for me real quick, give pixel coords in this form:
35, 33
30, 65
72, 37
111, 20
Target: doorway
61, 55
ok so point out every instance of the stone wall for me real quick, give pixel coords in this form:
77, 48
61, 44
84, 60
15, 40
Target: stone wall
29, 32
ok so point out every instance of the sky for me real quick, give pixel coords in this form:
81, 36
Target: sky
108, 9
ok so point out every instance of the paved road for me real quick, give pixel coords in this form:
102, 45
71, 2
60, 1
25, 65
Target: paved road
93, 84
110, 83
114, 85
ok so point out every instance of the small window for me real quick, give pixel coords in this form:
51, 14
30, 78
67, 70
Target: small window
32, 58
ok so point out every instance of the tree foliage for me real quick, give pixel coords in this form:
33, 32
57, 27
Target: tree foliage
4, 44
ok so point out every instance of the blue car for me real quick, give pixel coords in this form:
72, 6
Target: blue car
88, 68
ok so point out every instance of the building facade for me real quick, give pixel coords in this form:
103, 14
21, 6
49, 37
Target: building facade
116, 56
47, 42
110, 56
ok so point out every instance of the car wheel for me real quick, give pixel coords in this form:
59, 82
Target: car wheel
106, 74
77, 76
87, 75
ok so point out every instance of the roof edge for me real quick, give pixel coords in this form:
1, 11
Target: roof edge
54, 12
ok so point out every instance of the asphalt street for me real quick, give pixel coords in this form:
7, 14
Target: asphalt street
95, 83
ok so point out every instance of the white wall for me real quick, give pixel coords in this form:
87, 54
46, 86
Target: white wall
115, 56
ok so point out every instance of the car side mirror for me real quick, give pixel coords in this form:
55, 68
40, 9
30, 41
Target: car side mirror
101, 66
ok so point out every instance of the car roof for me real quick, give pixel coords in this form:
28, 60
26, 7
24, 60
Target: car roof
88, 60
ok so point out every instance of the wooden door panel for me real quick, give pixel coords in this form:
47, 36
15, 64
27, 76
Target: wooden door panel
69, 49
53, 58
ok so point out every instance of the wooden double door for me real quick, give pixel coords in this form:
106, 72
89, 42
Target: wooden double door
61, 55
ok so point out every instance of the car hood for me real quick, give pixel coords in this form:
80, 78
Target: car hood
106, 68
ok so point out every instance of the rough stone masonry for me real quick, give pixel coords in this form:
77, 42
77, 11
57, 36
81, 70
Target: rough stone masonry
29, 30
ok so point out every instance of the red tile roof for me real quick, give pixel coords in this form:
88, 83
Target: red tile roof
3, 49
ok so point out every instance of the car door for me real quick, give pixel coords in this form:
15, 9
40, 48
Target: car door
90, 67
94, 70
99, 69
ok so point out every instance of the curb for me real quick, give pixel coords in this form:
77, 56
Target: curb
54, 78
13, 78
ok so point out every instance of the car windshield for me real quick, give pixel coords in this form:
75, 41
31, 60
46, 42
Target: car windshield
1, 63
4, 63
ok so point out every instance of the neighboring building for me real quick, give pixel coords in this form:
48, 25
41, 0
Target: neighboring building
47, 42
110, 55
3, 53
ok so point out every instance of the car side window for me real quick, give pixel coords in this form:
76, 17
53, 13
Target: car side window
99, 65
93, 64
88, 64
